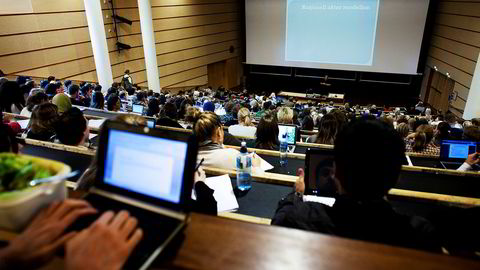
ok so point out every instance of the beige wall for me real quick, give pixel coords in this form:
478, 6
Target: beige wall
190, 34
132, 59
455, 45
53, 39
49, 39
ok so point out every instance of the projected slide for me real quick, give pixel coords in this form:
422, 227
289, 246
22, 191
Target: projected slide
331, 31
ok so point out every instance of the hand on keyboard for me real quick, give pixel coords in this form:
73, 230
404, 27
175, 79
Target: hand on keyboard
105, 245
37, 244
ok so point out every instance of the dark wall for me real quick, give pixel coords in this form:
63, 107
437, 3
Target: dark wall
359, 87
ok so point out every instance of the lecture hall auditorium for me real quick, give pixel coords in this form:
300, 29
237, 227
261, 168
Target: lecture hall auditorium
239, 134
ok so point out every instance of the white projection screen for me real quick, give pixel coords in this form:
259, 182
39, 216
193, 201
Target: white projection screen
357, 35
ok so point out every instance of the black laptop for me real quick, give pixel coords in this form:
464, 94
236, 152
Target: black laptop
453, 153
148, 172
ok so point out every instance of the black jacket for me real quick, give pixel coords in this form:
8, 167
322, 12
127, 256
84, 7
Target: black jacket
373, 221
167, 122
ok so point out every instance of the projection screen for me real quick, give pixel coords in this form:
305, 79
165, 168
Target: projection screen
357, 35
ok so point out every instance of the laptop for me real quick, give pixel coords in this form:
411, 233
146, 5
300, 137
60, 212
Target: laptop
151, 123
137, 109
453, 153
292, 133
148, 172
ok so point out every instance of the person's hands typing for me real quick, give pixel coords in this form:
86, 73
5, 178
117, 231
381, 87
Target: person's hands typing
37, 244
105, 245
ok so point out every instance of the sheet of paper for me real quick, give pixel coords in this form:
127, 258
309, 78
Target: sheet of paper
223, 193
93, 123
323, 200
264, 165
23, 123
91, 136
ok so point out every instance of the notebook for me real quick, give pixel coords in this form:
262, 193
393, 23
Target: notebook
149, 173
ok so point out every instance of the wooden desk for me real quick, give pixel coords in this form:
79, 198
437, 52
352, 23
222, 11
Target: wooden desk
220, 243
215, 243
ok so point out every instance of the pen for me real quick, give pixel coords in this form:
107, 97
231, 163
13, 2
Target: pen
199, 164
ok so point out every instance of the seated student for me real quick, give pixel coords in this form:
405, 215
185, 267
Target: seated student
267, 133
307, 123
451, 119
74, 93
11, 98
168, 116
153, 107
43, 121
245, 128
403, 130
86, 97
63, 102
8, 140
190, 116
421, 141
228, 116
72, 128
98, 101
113, 103
210, 136
285, 116
328, 128
361, 210
442, 133
33, 100
209, 107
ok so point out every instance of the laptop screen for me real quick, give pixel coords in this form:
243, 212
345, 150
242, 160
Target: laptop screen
290, 131
457, 149
137, 108
146, 165
151, 123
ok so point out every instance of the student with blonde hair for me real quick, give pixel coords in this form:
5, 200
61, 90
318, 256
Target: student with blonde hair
244, 128
285, 115
210, 136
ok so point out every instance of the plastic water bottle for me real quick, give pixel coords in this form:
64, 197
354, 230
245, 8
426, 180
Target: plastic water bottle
244, 169
283, 150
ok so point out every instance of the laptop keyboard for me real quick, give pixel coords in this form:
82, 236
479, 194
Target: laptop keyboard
156, 228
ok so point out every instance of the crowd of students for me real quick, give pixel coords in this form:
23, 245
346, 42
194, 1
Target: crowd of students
360, 211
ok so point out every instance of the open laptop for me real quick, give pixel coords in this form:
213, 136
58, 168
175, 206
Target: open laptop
150, 123
137, 109
292, 133
148, 172
453, 153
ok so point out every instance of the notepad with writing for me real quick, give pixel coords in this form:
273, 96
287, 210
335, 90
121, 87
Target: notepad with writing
223, 193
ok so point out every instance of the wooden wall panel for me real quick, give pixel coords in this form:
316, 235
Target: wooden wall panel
52, 39
455, 45
134, 58
191, 34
